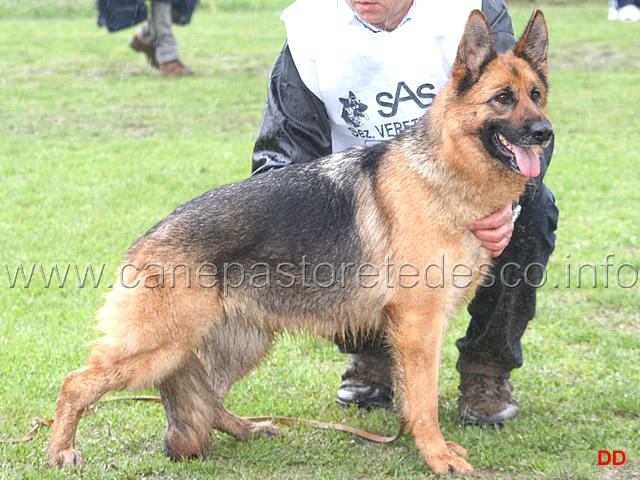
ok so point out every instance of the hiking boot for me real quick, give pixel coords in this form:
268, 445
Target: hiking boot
485, 400
367, 382
136, 44
174, 68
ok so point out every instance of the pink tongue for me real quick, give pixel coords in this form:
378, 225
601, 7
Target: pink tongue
528, 161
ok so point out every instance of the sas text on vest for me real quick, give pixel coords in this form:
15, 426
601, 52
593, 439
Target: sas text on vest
423, 96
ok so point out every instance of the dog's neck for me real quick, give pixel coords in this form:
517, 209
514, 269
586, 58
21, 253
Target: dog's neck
452, 175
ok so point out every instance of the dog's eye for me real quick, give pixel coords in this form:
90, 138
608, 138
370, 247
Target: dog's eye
535, 95
503, 98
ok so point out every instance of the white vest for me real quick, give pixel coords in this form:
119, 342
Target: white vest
374, 84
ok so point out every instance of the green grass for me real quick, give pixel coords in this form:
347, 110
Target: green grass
95, 148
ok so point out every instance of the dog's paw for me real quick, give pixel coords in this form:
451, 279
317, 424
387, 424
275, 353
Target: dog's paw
180, 445
264, 429
66, 458
455, 449
444, 464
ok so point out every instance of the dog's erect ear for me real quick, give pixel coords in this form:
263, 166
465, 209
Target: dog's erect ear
534, 43
475, 51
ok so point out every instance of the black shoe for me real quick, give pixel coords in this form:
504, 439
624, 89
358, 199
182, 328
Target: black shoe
363, 396
367, 382
486, 400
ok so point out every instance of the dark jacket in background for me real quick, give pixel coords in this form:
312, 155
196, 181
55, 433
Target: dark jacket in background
119, 14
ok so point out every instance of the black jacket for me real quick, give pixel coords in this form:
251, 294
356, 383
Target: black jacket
119, 14
295, 127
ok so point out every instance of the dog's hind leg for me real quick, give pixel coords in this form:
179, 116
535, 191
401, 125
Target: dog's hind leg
85, 386
186, 396
193, 396
234, 350
149, 334
80, 389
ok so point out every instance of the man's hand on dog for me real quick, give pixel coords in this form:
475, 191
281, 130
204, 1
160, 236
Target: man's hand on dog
495, 230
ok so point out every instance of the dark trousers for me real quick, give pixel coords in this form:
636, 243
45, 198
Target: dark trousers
501, 310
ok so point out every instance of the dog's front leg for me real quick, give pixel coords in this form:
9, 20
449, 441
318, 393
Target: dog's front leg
417, 343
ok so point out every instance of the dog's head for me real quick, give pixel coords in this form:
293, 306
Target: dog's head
505, 93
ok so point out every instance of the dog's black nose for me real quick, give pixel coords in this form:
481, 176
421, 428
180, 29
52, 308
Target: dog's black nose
541, 130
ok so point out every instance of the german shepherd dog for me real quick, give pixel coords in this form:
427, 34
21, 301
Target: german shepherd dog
334, 248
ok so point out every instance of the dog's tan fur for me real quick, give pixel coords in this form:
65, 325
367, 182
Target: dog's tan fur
427, 189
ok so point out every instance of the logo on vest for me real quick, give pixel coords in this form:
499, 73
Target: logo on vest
353, 110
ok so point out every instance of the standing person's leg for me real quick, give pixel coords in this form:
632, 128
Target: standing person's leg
166, 45
156, 40
161, 22
144, 41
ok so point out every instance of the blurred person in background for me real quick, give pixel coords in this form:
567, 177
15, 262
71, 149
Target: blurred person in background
625, 10
154, 37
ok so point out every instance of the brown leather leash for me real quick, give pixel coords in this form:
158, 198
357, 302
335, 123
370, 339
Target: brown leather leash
36, 423
372, 437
